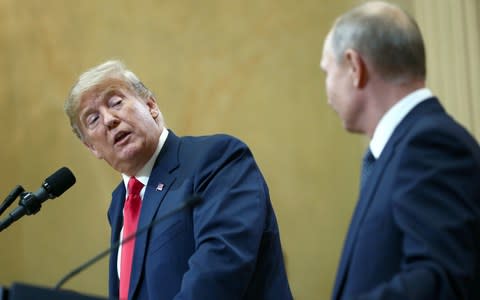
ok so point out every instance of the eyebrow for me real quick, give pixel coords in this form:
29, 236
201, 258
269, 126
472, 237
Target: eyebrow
110, 91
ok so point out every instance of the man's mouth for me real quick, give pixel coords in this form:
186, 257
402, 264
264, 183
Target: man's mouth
120, 137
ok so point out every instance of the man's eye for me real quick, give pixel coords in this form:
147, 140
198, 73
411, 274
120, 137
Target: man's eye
92, 120
115, 101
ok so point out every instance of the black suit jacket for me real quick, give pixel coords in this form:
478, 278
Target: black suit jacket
225, 247
415, 233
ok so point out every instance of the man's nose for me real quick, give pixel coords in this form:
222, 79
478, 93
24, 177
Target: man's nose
110, 120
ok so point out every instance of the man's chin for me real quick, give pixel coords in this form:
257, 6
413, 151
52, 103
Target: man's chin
352, 129
124, 160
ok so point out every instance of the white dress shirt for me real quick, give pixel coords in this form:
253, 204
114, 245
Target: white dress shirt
393, 117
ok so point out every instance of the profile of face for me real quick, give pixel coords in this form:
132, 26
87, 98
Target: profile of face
119, 126
340, 86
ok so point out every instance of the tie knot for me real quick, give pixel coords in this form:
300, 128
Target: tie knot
134, 186
368, 158
367, 166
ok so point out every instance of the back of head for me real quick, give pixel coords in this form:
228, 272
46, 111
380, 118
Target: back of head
107, 71
386, 36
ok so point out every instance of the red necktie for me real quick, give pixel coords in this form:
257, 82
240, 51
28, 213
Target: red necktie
131, 212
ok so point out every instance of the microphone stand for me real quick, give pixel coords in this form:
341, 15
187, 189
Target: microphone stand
28, 205
190, 201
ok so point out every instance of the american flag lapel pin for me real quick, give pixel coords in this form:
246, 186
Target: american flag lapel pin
160, 186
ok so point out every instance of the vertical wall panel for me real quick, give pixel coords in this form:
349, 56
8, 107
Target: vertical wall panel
453, 43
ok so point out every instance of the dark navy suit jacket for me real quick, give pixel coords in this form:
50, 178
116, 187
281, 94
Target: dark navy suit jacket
415, 233
227, 246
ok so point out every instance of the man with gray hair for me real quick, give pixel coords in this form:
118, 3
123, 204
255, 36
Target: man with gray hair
415, 231
226, 246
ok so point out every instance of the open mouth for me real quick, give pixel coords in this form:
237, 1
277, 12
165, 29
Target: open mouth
120, 137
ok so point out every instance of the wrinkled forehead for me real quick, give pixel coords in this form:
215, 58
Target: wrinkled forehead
104, 89
327, 51
328, 45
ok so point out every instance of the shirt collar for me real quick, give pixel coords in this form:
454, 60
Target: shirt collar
393, 117
144, 173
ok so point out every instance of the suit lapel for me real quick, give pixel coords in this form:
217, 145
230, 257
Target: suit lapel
116, 219
115, 211
367, 194
365, 198
161, 179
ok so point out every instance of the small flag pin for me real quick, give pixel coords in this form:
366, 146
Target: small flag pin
160, 187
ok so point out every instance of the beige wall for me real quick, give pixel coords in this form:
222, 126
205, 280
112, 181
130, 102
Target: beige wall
452, 36
248, 68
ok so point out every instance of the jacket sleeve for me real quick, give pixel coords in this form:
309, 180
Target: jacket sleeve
228, 224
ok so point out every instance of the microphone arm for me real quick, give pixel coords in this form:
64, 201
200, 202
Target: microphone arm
11, 197
28, 205
189, 202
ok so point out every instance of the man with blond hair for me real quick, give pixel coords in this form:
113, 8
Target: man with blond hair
226, 246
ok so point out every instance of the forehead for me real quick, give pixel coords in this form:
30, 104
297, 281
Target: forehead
328, 42
102, 91
327, 54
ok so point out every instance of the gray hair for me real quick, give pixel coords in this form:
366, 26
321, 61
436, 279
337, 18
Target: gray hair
112, 69
386, 36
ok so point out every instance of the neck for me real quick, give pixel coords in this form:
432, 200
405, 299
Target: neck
381, 97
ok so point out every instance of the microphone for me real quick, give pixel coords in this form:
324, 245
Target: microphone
189, 202
30, 203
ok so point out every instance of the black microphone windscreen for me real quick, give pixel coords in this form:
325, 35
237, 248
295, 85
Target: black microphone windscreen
60, 181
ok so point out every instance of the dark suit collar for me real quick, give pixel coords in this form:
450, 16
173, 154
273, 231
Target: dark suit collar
393, 118
422, 110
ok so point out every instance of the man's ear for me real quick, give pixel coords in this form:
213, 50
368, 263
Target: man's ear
357, 68
93, 150
153, 108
